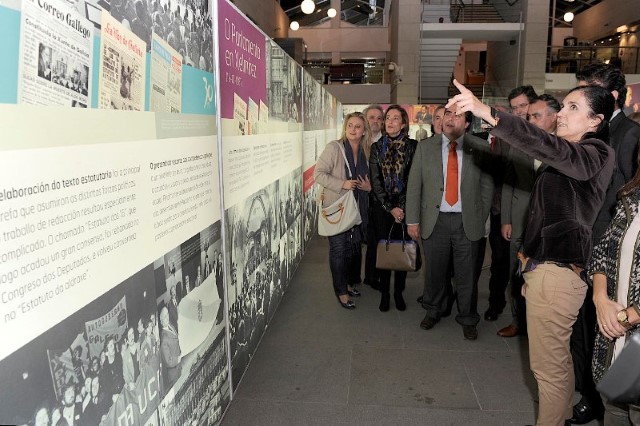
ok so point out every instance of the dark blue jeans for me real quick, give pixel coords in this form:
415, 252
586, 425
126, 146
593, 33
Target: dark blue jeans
345, 259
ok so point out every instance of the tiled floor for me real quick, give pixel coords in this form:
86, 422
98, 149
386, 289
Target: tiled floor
320, 364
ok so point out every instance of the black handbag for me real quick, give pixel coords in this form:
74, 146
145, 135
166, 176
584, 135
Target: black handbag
621, 383
398, 255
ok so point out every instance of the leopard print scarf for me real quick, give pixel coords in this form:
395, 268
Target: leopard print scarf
393, 154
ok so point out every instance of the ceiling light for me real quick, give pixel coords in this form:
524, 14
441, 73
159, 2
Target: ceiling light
308, 6
332, 13
294, 25
568, 17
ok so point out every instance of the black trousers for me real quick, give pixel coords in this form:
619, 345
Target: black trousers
499, 265
582, 340
370, 271
382, 223
518, 303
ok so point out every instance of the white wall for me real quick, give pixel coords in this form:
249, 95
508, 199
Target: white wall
267, 14
361, 93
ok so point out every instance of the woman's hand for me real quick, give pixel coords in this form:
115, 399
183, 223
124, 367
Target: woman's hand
350, 184
364, 184
606, 309
466, 101
398, 214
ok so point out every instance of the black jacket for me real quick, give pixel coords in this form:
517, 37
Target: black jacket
567, 195
624, 134
380, 195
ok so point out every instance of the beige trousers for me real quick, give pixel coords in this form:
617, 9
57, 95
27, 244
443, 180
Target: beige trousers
554, 295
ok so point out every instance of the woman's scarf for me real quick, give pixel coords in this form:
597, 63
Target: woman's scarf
359, 170
392, 156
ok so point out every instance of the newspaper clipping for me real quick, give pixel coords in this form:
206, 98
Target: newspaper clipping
56, 53
122, 67
166, 77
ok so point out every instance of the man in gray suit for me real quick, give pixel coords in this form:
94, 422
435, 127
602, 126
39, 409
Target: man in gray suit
449, 195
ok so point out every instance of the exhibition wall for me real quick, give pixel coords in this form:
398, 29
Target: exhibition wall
156, 196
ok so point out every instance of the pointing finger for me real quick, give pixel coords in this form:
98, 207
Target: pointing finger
460, 87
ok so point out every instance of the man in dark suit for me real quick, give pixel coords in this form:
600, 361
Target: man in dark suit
70, 409
624, 135
97, 405
170, 349
520, 175
172, 306
449, 195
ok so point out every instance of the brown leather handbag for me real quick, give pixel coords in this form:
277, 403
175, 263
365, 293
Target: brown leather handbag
398, 255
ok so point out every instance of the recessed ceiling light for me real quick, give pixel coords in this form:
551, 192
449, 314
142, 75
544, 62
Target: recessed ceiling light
308, 6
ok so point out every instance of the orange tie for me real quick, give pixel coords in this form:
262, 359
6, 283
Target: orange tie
451, 194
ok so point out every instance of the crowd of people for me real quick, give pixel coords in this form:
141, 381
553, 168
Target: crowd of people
187, 28
552, 186
88, 399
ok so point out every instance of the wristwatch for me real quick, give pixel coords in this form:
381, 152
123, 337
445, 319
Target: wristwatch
623, 319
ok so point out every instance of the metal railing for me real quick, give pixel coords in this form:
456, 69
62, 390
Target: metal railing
460, 11
570, 59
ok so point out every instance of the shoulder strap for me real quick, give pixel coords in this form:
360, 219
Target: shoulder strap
344, 155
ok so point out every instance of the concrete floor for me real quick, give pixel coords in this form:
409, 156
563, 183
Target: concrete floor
320, 364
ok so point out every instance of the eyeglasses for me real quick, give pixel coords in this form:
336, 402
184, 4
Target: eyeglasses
520, 107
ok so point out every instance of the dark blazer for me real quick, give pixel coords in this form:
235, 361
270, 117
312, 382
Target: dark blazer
624, 135
568, 193
426, 185
380, 195
519, 178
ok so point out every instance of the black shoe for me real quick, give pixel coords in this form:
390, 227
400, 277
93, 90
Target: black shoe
583, 413
400, 305
419, 300
492, 314
354, 293
384, 302
470, 332
427, 323
348, 305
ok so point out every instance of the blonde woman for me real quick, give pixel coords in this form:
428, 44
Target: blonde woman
336, 177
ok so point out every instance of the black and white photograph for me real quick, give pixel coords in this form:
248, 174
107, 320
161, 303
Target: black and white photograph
95, 365
284, 86
205, 394
329, 109
311, 212
313, 104
69, 73
252, 228
186, 26
189, 292
290, 212
44, 61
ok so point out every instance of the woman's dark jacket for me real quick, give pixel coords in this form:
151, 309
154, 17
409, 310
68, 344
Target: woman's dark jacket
568, 193
380, 195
